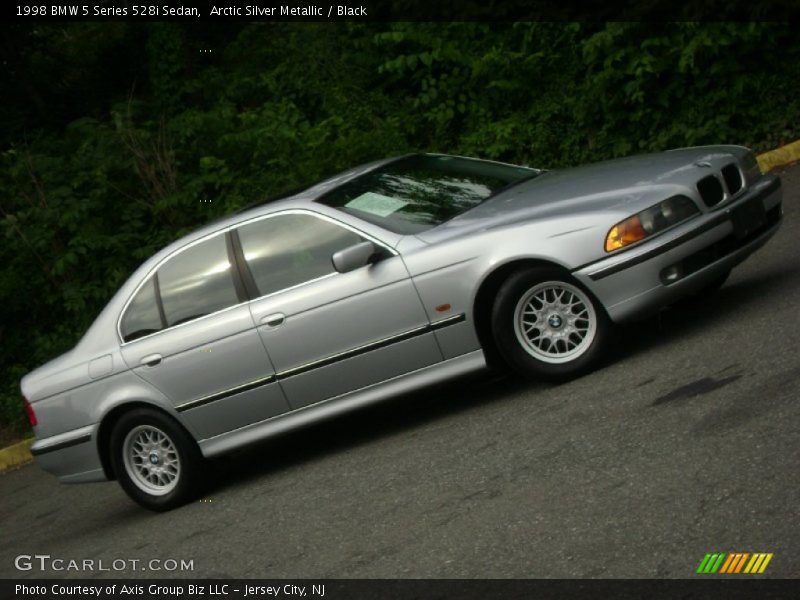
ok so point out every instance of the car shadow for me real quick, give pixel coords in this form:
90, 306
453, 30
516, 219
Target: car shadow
400, 414
408, 411
698, 313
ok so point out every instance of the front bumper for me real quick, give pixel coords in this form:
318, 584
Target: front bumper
631, 283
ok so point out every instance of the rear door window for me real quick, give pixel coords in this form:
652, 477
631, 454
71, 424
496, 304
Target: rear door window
142, 315
196, 282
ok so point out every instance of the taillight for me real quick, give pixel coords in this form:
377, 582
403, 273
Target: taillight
31, 415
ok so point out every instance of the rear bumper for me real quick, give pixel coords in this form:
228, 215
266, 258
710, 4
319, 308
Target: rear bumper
71, 456
633, 283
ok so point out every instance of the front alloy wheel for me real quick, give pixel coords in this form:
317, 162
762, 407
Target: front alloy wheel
555, 322
547, 326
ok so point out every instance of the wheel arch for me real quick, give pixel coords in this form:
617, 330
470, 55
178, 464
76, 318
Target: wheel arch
110, 419
485, 295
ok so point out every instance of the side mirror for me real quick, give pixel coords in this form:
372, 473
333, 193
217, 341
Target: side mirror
354, 257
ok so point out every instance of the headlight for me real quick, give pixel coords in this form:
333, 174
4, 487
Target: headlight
651, 220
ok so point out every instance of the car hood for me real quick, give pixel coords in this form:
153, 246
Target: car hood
624, 186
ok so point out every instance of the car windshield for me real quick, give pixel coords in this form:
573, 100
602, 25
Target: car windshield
419, 192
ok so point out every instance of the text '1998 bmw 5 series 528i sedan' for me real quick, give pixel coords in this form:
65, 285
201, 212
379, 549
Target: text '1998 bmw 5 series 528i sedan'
385, 278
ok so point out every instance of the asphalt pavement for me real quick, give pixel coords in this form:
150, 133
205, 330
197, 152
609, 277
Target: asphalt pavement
687, 443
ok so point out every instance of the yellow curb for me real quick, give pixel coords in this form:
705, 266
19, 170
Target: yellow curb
779, 157
16, 455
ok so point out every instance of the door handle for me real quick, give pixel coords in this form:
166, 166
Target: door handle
274, 320
151, 360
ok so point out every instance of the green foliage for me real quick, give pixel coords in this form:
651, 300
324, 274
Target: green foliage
118, 138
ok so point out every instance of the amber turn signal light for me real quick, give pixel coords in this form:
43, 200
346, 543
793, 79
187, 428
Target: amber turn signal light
650, 221
624, 233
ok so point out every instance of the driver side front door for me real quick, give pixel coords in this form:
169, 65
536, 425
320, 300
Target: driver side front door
330, 333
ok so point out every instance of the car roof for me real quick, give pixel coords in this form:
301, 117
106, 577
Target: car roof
294, 198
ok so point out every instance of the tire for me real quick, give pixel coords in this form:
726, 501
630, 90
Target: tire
575, 331
171, 462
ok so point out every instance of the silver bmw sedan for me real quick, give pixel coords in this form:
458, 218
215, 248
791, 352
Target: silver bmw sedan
385, 278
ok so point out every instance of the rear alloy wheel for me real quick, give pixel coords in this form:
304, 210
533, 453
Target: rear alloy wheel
155, 460
546, 325
151, 460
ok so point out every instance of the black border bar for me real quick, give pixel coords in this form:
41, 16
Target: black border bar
700, 587
407, 10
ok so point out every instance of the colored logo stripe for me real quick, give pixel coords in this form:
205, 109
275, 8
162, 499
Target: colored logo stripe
734, 562
711, 563
758, 563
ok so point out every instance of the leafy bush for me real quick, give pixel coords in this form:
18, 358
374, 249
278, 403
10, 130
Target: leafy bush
118, 138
